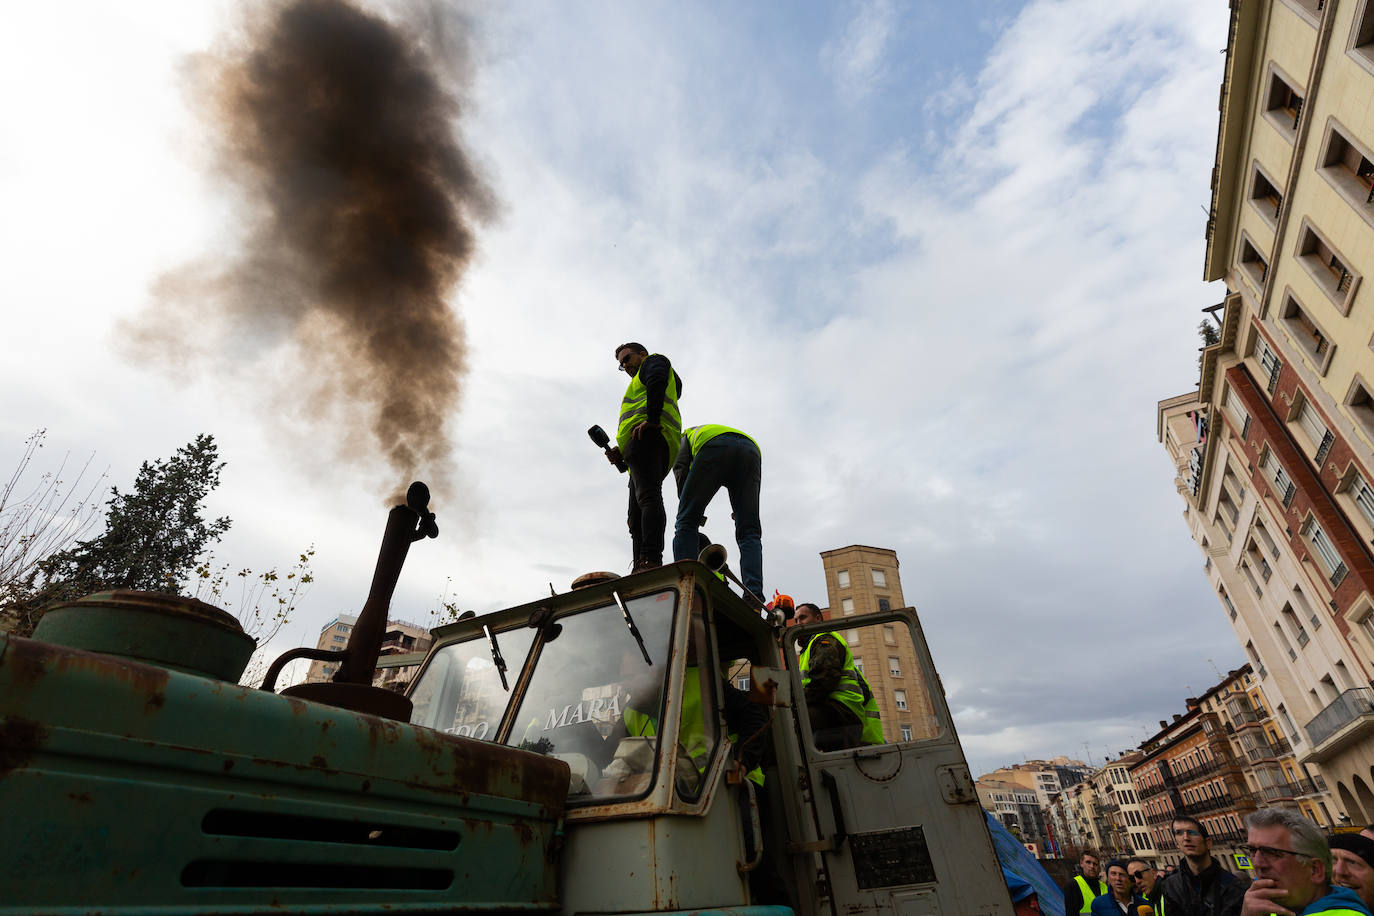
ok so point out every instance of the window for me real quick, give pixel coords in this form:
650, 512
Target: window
1328, 267
879, 578
884, 604
742, 683
889, 635
1265, 196
1361, 495
1360, 404
1317, 434
1282, 104
1325, 550
341, 639
906, 732
859, 664
1270, 365
1361, 46
1306, 334
1237, 414
842, 578
1226, 600
847, 607
1348, 169
344, 628
1252, 263
900, 697
894, 666
1283, 484
851, 637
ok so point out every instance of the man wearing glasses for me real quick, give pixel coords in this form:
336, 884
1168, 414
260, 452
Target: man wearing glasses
1200, 887
1292, 868
1146, 882
647, 440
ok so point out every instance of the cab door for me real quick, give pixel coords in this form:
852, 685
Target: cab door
901, 830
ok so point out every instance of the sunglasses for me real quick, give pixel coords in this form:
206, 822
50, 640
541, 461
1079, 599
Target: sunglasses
1268, 852
1137, 875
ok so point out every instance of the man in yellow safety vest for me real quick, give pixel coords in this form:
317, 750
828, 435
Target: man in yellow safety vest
647, 439
839, 703
711, 457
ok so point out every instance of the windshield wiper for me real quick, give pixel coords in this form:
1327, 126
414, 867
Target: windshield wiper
496, 657
634, 630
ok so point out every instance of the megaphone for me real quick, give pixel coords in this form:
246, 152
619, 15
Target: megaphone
713, 557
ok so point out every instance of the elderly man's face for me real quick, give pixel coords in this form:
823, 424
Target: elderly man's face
1119, 881
1144, 876
1349, 870
1272, 855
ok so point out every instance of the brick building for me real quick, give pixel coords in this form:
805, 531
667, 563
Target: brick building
1275, 449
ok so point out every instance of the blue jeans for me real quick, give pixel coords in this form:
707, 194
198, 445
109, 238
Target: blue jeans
731, 461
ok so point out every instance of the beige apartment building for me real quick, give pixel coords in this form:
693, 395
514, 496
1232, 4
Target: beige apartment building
1275, 449
401, 638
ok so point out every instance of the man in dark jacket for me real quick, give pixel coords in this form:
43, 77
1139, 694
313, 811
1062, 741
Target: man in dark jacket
1200, 887
1146, 879
647, 438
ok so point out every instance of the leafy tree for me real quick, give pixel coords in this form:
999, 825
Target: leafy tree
1208, 333
39, 518
154, 534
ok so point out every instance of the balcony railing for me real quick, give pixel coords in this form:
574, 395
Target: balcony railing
1348, 708
1279, 792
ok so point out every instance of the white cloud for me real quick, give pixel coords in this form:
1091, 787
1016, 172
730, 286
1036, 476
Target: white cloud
948, 335
856, 59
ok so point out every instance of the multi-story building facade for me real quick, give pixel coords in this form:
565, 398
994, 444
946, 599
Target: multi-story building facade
1267, 761
1275, 450
1018, 808
865, 580
401, 638
1187, 767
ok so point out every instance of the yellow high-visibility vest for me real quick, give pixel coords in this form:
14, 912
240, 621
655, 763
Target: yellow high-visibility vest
634, 409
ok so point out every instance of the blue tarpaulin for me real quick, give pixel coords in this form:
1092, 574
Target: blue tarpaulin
1021, 868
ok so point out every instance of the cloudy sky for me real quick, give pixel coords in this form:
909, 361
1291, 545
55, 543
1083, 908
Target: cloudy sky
941, 260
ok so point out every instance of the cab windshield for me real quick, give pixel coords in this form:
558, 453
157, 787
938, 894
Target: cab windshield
460, 690
592, 699
595, 702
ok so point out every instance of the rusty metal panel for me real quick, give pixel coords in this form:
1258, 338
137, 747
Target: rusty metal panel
128, 788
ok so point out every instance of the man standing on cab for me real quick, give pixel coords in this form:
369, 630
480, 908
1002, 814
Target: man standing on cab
711, 457
647, 438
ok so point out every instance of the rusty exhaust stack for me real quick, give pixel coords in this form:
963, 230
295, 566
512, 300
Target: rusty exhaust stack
352, 687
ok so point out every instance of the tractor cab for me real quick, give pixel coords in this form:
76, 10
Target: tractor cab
628, 682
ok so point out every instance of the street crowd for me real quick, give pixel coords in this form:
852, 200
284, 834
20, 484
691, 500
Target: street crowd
1297, 871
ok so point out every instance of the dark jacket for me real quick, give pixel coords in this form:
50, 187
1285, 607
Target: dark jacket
654, 373
1073, 895
1215, 892
1106, 905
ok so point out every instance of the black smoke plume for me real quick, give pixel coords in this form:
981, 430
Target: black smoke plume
335, 131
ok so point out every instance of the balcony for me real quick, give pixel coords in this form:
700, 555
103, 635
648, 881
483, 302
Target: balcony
1280, 792
1243, 718
1348, 719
